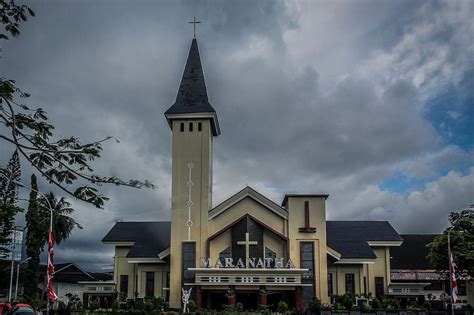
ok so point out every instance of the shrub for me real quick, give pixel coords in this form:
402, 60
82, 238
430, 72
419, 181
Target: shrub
282, 307
94, 305
315, 305
347, 300
115, 305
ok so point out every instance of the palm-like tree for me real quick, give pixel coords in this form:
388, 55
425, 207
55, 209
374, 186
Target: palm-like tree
63, 224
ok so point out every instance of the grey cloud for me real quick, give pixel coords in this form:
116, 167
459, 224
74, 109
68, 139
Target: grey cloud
299, 88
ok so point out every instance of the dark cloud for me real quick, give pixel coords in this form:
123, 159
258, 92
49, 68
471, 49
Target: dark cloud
311, 97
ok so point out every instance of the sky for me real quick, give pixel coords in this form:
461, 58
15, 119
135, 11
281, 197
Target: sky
369, 101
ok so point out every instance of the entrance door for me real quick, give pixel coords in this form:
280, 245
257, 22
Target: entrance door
249, 300
214, 300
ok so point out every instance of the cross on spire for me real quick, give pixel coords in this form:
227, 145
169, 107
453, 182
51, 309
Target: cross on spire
194, 22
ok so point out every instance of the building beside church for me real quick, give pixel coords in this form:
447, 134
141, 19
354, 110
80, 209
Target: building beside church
248, 249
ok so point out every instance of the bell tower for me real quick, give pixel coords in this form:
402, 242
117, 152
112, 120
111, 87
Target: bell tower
193, 122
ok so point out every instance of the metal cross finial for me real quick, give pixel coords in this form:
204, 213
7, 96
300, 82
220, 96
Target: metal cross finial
194, 22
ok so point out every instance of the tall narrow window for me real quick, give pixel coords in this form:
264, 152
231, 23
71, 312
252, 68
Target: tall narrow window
191, 127
150, 284
189, 261
365, 285
330, 288
307, 262
379, 290
199, 126
350, 283
124, 284
181, 127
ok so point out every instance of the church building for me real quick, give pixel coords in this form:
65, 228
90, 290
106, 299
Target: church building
248, 249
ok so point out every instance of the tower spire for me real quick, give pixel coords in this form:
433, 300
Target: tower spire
192, 93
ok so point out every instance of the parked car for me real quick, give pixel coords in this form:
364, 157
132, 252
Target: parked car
16, 309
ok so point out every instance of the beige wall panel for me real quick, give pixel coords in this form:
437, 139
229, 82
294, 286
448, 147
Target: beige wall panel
247, 205
275, 243
122, 267
219, 244
317, 207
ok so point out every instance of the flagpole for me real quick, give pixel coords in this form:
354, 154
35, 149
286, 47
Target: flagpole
49, 254
450, 272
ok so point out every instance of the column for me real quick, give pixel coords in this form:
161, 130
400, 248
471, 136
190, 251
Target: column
262, 297
299, 299
198, 297
231, 297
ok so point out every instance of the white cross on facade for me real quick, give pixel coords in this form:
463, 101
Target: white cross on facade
247, 244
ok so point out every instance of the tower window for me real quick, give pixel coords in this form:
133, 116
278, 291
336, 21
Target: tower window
182, 127
199, 126
191, 127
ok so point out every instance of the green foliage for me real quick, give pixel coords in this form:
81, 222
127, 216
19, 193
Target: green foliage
462, 244
115, 305
74, 302
390, 304
375, 304
345, 301
282, 307
315, 305
34, 243
192, 306
12, 15
94, 305
153, 303
9, 178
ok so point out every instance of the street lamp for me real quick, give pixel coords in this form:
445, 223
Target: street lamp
50, 226
17, 273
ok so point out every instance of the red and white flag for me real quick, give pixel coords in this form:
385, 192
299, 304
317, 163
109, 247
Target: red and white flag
454, 284
52, 296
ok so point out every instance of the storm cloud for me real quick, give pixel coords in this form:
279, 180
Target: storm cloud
317, 96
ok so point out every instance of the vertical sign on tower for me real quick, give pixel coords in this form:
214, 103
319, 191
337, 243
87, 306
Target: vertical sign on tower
189, 223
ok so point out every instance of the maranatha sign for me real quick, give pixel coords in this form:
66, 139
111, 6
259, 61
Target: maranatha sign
278, 263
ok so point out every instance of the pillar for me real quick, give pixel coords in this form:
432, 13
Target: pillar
198, 297
299, 299
231, 297
262, 299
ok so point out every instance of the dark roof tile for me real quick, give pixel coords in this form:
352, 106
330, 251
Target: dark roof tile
150, 238
412, 254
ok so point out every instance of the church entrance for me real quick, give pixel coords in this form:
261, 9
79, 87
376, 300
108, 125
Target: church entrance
275, 297
249, 300
214, 300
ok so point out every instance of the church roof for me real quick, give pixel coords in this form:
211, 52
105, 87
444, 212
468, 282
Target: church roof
352, 238
148, 238
411, 255
192, 93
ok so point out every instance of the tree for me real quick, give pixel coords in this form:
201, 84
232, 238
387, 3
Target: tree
62, 223
462, 244
9, 176
64, 162
34, 243
37, 221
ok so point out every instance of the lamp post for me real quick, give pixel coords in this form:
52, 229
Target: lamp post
50, 226
17, 276
450, 271
12, 267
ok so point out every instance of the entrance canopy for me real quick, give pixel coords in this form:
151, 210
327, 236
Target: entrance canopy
248, 276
